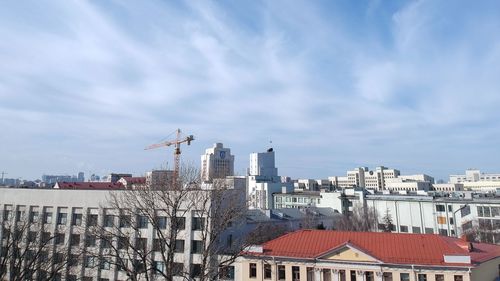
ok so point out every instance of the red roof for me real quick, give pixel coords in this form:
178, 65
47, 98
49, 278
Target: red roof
135, 180
88, 185
397, 248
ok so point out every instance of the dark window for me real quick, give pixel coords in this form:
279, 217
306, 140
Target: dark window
90, 241
179, 246
123, 242
62, 218
59, 238
252, 272
439, 277
142, 222
450, 208
458, 278
105, 264
480, 212
179, 223
443, 232
106, 242
451, 220
440, 208
295, 273
226, 272
121, 264
92, 220
353, 275
73, 260
161, 222
34, 216
141, 244
465, 211
158, 245
31, 236
196, 247
58, 258
76, 219
177, 269
422, 277
429, 230
369, 276
403, 228
267, 271
109, 220
198, 223
158, 267
487, 211
71, 278
75, 239
281, 272
404, 276
415, 229
195, 270
125, 221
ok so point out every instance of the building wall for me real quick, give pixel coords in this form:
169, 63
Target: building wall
217, 162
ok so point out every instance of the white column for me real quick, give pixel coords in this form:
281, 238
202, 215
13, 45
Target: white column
335, 275
317, 274
379, 275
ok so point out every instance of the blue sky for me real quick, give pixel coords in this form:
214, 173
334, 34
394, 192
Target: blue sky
86, 85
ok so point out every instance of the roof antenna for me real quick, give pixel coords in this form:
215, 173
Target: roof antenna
271, 146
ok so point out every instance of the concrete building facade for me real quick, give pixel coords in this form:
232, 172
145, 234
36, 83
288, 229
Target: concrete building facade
217, 162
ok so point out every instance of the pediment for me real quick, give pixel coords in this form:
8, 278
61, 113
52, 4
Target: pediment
348, 252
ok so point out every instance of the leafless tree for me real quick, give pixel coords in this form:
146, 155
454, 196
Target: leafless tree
30, 249
481, 230
134, 217
362, 218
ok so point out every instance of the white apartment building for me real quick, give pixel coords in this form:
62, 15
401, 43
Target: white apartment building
217, 162
69, 213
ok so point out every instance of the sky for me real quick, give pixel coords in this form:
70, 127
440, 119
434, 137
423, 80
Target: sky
334, 85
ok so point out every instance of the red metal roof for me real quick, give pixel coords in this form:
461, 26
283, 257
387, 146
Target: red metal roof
397, 248
88, 185
135, 180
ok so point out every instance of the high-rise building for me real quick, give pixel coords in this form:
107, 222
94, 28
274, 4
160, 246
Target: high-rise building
262, 164
81, 177
217, 163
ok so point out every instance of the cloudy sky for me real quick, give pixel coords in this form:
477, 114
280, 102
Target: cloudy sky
86, 85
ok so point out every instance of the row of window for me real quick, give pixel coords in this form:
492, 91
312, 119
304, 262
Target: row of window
108, 220
342, 274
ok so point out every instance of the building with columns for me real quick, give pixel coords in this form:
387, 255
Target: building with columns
321, 255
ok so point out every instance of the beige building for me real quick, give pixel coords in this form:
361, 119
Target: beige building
217, 163
320, 255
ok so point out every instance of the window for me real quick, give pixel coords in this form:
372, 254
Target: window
90, 241
86, 278
46, 236
125, 221
59, 238
226, 272
440, 208
179, 246
458, 278
281, 272
196, 247
31, 237
92, 220
62, 218
89, 262
267, 271
252, 271
295, 273
195, 270
47, 217
158, 266
34, 216
487, 211
71, 278
109, 220
403, 228
404, 276
105, 264
161, 222
158, 244
451, 220
76, 219
179, 223
429, 230
415, 229
75, 239
439, 277
142, 221
443, 232
369, 276
58, 258
450, 208
121, 264
422, 277
177, 269
106, 242
353, 275
123, 242
495, 211
141, 244
198, 223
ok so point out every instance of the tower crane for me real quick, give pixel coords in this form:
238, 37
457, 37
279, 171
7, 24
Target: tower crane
177, 151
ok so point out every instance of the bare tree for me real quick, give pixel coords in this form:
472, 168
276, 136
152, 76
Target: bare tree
387, 224
171, 218
481, 230
29, 249
362, 218
267, 231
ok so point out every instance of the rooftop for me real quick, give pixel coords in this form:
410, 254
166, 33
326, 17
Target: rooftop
88, 185
395, 248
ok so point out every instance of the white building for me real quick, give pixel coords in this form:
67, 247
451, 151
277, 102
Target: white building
474, 175
263, 180
217, 162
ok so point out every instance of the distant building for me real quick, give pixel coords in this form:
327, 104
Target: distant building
474, 175
133, 182
159, 179
81, 177
323, 255
217, 162
263, 180
114, 177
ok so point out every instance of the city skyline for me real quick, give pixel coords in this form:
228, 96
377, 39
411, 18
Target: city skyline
85, 86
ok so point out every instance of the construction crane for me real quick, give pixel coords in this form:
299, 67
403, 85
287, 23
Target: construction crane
177, 151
